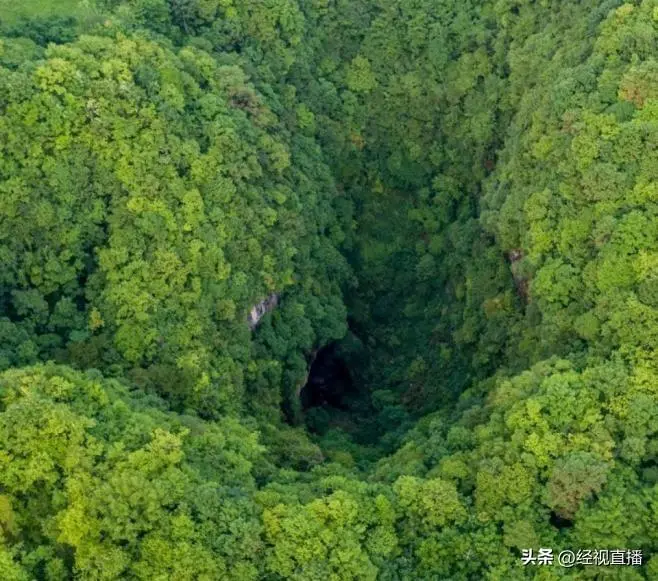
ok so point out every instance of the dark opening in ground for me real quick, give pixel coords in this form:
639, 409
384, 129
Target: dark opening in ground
329, 382
560, 522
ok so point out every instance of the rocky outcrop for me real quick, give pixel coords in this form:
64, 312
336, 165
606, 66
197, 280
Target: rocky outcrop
522, 284
261, 309
304, 381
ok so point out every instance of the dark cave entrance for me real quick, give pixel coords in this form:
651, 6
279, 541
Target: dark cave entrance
329, 381
560, 522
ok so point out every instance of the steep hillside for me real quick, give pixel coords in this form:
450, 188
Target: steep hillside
311, 289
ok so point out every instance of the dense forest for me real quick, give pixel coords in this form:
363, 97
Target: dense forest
327, 290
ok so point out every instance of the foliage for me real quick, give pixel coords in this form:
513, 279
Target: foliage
158, 199
472, 185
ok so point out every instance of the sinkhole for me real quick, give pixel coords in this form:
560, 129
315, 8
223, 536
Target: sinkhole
329, 382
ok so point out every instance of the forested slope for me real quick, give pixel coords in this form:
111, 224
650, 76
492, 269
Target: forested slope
456, 200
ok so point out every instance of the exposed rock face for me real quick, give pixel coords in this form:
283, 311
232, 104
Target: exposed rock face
303, 382
261, 309
522, 284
